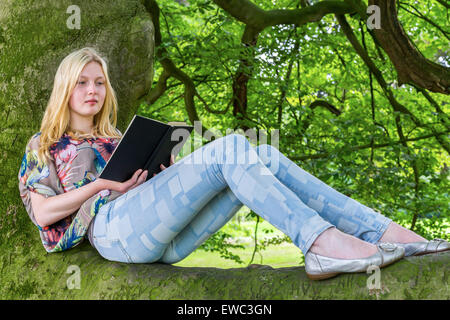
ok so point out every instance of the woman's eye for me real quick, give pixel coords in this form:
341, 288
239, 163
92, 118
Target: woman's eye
81, 82
99, 83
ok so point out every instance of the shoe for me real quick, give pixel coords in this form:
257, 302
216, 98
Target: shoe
420, 248
319, 267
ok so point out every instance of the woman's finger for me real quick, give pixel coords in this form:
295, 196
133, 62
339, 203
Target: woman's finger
140, 180
136, 175
143, 176
172, 159
132, 181
162, 167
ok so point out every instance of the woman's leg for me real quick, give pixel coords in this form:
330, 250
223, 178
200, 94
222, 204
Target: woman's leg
347, 214
212, 217
144, 221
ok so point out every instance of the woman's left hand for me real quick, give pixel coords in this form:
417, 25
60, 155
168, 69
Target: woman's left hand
163, 167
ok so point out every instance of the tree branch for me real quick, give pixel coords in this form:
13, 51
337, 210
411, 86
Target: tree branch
169, 67
285, 85
445, 3
315, 104
412, 67
157, 91
365, 146
247, 12
444, 118
379, 77
421, 16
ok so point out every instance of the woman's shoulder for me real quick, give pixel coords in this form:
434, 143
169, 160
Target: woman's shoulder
33, 142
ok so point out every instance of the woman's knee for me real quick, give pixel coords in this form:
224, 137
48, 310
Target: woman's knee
266, 152
225, 147
170, 256
167, 259
267, 148
234, 138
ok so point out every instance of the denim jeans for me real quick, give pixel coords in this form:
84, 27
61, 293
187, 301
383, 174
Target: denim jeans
167, 217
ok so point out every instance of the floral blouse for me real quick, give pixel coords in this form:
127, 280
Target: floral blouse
74, 164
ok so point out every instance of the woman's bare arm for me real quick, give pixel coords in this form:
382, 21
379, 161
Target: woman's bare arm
52, 209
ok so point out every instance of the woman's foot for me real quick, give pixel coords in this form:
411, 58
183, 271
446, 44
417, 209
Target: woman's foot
335, 252
414, 244
333, 243
398, 234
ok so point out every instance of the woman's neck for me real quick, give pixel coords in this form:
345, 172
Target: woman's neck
84, 127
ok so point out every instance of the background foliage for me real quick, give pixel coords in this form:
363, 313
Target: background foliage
333, 117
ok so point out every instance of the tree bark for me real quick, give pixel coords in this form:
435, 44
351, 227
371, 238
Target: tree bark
81, 273
412, 67
34, 40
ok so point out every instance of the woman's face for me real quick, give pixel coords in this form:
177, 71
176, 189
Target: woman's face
89, 93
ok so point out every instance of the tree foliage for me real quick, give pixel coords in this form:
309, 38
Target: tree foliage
323, 78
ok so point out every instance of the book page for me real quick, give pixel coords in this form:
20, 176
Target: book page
175, 123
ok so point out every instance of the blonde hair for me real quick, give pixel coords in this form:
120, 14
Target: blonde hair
57, 116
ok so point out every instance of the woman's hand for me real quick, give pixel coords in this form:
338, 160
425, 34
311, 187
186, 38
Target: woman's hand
49, 210
172, 161
138, 178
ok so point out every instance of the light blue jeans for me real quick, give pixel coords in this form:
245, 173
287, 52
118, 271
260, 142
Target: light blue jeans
169, 216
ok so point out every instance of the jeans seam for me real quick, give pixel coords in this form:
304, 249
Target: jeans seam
119, 244
112, 242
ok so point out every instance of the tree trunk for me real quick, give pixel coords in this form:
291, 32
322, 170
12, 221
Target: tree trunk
81, 273
34, 38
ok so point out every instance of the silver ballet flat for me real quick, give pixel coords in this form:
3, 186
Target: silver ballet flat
420, 248
319, 267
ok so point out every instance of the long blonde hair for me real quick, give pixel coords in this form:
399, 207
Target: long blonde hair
57, 116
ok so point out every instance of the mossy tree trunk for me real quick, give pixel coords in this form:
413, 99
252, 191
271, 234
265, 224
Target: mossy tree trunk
81, 273
34, 38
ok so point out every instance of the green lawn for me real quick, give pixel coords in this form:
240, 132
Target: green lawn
276, 256
279, 255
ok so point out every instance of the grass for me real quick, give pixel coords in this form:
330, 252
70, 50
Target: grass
285, 254
276, 256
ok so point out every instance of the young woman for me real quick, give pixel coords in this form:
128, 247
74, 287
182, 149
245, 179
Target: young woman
167, 217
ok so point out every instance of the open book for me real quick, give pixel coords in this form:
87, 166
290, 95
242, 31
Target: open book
146, 144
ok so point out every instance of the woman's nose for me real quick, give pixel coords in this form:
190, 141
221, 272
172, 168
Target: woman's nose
91, 88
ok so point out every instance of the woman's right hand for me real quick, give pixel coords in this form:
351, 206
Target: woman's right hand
52, 209
138, 178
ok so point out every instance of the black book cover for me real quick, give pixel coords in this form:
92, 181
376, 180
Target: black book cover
146, 144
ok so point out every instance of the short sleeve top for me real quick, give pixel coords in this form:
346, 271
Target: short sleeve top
73, 164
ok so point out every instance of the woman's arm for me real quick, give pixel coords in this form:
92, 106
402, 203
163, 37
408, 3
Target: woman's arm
50, 210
